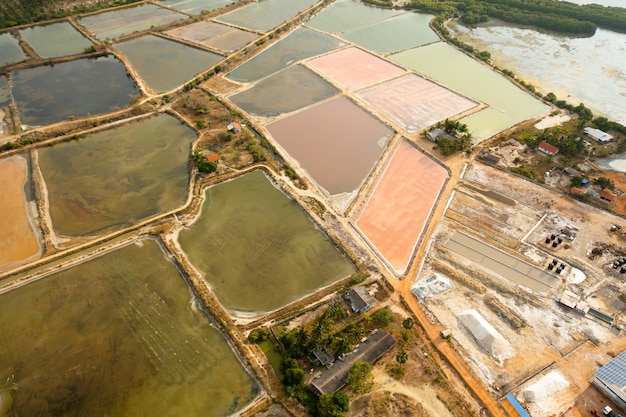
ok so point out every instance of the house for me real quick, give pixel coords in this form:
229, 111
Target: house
577, 191
571, 172
333, 379
547, 148
213, 157
234, 127
436, 134
323, 357
611, 380
607, 196
360, 299
597, 134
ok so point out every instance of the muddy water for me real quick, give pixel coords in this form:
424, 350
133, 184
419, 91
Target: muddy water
57, 39
19, 241
109, 25
117, 336
561, 64
10, 51
344, 15
49, 94
275, 94
395, 34
5, 91
113, 178
215, 35
257, 249
158, 61
264, 15
508, 104
196, 6
336, 142
302, 43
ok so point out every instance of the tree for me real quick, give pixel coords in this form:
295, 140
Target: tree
604, 183
293, 375
360, 378
202, 163
382, 317
333, 405
402, 357
576, 181
259, 335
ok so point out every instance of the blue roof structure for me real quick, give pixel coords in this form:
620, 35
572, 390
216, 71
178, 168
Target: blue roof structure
614, 372
518, 407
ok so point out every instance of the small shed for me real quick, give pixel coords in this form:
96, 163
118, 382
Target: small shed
435, 134
234, 127
607, 196
571, 172
577, 191
323, 357
597, 134
360, 299
213, 157
547, 148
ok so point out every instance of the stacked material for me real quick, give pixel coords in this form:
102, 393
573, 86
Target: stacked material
486, 336
547, 386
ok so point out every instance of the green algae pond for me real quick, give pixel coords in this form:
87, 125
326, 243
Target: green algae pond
344, 15
115, 177
118, 335
52, 93
10, 51
263, 15
257, 249
57, 39
300, 44
274, 95
158, 61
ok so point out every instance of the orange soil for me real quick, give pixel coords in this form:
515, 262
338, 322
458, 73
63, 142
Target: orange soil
396, 213
19, 241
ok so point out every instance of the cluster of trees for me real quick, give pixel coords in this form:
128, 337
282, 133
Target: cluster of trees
547, 14
21, 12
569, 145
460, 140
202, 163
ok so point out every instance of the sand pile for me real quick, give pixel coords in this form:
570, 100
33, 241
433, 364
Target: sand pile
487, 337
547, 386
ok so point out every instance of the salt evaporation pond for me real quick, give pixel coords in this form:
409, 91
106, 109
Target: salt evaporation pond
56, 39
601, 85
302, 43
414, 103
397, 212
344, 15
10, 51
258, 249
336, 142
196, 6
263, 15
51, 93
115, 23
19, 240
113, 178
352, 68
508, 104
117, 335
214, 35
5, 91
275, 94
159, 61
395, 34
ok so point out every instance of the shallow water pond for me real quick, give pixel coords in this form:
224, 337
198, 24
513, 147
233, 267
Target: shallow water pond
113, 178
196, 6
10, 51
344, 15
263, 15
257, 248
117, 335
57, 39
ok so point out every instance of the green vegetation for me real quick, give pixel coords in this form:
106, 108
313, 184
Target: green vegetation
14, 13
333, 405
546, 14
360, 378
604, 183
202, 163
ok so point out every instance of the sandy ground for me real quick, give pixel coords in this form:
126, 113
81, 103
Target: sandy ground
19, 243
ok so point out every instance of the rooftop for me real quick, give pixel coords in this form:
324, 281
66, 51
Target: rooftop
614, 372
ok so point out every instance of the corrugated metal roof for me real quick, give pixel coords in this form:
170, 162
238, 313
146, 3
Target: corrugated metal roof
614, 372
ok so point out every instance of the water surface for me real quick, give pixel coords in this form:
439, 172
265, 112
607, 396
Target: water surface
5, 91
302, 43
257, 248
394, 34
57, 39
158, 61
590, 70
275, 94
196, 6
52, 93
215, 35
10, 51
117, 336
113, 178
263, 15
344, 15
109, 25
